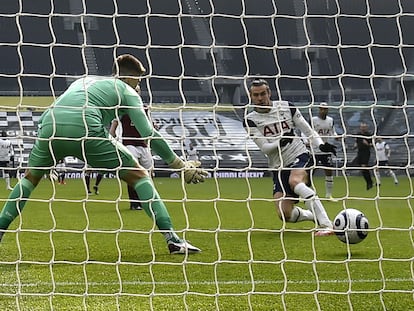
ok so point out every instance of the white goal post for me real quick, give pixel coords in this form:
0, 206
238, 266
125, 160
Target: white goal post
72, 251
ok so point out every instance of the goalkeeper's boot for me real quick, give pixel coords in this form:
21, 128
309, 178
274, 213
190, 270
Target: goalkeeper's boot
324, 232
1, 235
96, 190
182, 247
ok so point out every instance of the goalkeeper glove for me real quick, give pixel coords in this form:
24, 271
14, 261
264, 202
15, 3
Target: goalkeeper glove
192, 172
327, 147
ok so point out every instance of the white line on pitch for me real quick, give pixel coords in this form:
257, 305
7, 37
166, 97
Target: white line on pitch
241, 282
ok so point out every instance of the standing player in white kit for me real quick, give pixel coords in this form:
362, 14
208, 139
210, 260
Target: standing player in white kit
324, 126
383, 152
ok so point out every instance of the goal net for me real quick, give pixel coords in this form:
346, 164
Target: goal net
74, 250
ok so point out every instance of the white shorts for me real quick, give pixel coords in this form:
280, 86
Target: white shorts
143, 155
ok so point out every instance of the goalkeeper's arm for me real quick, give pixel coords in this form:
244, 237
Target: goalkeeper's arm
192, 172
191, 169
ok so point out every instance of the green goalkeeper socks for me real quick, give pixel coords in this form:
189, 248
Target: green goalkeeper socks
155, 207
16, 201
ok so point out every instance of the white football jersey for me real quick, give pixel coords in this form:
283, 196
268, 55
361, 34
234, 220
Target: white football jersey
382, 149
6, 150
276, 129
325, 128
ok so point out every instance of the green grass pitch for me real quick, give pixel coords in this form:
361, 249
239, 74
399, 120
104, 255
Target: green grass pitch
74, 253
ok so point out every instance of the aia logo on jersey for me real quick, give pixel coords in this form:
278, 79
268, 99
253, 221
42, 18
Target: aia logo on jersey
276, 128
324, 132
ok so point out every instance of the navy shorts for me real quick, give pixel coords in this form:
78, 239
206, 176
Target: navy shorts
281, 177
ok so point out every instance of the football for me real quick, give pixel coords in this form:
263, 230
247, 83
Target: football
351, 226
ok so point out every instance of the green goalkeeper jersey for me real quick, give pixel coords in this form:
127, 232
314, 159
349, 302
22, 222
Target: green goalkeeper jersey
83, 113
91, 102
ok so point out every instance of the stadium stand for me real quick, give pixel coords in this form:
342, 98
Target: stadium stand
231, 129
226, 152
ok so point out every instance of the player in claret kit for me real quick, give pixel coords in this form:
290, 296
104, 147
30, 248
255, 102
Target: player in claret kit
271, 125
76, 125
125, 131
138, 146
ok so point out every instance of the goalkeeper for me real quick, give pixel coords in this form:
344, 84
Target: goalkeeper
76, 125
271, 126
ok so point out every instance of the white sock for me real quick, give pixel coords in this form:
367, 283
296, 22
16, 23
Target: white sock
304, 191
328, 186
7, 178
377, 176
394, 176
299, 214
313, 204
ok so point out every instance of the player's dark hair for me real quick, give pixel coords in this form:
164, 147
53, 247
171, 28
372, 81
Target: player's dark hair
259, 82
127, 65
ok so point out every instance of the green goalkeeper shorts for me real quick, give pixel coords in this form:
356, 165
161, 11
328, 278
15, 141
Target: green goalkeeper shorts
98, 149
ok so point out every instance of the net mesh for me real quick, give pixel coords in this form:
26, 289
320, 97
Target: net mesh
72, 251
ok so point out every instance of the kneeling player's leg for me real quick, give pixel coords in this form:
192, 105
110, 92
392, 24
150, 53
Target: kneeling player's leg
288, 212
313, 203
285, 200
